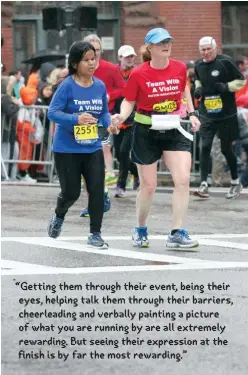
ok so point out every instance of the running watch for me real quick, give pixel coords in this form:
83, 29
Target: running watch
195, 113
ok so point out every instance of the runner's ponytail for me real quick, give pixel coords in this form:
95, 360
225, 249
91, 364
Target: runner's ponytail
145, 53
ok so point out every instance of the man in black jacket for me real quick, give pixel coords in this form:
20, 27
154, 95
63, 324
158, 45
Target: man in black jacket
217, 79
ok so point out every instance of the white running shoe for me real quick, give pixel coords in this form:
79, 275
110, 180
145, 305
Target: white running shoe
28, 179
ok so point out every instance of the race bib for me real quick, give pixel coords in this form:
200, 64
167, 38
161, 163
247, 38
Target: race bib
85, 133
166, 106
213, 104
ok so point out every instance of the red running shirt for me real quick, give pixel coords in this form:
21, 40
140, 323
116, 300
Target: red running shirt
111, 77
148, 86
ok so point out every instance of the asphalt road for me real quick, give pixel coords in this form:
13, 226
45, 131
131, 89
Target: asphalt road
213, 331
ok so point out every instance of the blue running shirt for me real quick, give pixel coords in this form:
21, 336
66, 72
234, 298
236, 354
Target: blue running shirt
69, 100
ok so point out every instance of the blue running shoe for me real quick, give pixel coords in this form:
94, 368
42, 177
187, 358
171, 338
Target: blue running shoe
55, 226
84, 213
181, 239
140, 237
95, 239
107, 205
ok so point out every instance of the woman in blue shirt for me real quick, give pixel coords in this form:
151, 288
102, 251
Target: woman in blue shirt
78, 106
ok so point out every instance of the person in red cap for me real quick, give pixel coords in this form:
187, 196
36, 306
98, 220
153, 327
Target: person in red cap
157, 87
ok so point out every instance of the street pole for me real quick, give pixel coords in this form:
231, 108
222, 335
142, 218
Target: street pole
69, 41
69, 31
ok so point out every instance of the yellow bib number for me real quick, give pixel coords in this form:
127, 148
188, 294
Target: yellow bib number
167, 106
85, 132
213, 104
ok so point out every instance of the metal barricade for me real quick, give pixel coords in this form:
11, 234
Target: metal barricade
20, 146
18, 150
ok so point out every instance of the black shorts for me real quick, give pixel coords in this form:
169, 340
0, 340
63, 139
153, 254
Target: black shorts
148, 145
227, 130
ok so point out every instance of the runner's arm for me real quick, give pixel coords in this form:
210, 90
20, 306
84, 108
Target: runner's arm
105, 119
197, 80
58, 104
235, 80
187, 96
119, 85
126, 109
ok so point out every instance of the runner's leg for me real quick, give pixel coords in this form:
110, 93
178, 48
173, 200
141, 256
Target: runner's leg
68, 167
148, 184
179, 164
93, 172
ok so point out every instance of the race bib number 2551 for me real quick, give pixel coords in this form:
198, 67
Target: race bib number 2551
85, 132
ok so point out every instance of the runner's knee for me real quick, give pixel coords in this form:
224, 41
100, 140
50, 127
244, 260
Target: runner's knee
148, 186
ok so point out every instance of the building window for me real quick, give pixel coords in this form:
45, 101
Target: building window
108, 27
24, 41
235, 28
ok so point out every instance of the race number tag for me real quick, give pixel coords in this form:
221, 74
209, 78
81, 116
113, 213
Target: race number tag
166, 106
213, 104
85, 133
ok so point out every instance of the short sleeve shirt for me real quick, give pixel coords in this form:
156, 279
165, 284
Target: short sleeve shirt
148, 86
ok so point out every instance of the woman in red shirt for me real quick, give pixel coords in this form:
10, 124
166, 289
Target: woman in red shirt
156, 88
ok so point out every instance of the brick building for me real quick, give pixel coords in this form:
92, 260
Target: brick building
127, 22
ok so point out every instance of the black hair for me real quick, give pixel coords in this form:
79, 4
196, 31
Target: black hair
76, 53
35, 66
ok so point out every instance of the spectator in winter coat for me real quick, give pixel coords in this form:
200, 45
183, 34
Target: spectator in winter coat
9, 146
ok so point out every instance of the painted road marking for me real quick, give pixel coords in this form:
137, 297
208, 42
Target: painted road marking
205, 240
57, 244
28, 269
22, 268
7, 265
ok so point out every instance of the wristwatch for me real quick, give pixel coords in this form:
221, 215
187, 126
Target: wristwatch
195, 113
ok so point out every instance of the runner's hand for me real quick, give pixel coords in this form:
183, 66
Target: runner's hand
195, 123
116, 119
86, 118
198, 93
113, 129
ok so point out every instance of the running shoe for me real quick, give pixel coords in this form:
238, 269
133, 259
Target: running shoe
84, 213
119, 193
234, 191
136, 183
181, 239
140, 237
27, 179
130, 182
55, 226
107, 205
202, 192
110, 180
95, 240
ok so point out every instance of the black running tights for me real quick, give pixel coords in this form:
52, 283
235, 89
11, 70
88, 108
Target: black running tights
70, 168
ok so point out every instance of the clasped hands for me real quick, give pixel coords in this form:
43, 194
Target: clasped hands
116, 120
